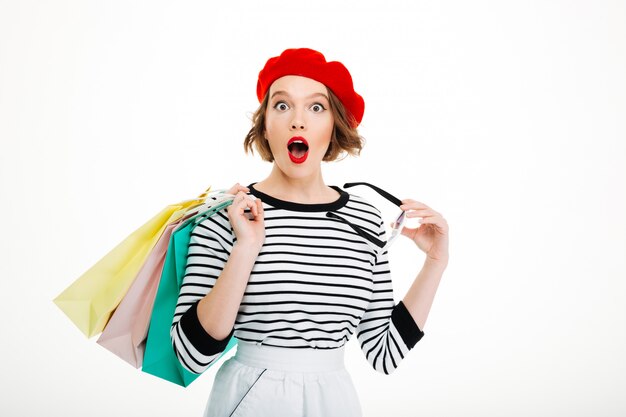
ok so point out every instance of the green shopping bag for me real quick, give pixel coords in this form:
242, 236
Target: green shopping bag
159, 357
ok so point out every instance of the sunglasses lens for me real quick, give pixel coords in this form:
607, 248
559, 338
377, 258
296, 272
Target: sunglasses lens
396, 229
399, 221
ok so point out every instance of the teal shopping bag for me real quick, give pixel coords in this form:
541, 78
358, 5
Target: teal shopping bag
159, 357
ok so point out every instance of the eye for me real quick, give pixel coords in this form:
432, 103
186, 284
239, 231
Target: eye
281, 106
317, 108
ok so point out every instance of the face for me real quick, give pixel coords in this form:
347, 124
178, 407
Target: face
298, 124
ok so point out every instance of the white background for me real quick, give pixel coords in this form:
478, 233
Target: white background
506, 117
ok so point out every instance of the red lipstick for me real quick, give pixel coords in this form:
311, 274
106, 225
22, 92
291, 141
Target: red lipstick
298, 149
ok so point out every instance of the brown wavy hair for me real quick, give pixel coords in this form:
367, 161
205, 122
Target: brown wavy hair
344, 141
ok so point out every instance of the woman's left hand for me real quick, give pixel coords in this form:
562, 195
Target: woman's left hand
432, 235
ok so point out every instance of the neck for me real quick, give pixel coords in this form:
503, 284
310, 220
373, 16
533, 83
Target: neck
305, 190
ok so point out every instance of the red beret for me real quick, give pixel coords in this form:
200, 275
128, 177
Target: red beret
312, 64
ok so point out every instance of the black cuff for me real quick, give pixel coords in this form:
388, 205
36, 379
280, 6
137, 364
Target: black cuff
406, 326
199, 338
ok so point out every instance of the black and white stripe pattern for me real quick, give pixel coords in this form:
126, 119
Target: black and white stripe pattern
315, 282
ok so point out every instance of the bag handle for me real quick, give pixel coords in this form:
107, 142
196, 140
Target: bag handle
202, 197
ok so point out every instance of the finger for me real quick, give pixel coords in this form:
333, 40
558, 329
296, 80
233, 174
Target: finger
436, 221
260, 209
239, 197
411, 201
242, 201
408, 231
256, 209
430, 216
237, 188
248, 202
233, 190
414, 206
419, 213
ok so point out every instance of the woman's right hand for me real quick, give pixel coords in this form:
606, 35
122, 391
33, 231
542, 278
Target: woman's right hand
248, 231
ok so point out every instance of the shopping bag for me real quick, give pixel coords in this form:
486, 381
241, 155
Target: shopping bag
159, 357
125, 333
90, 300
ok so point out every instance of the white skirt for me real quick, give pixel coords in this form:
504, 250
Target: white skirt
275, 382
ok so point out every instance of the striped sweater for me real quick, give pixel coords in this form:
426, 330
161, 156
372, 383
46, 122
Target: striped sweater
315, 282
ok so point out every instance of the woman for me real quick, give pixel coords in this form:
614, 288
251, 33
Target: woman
294, 267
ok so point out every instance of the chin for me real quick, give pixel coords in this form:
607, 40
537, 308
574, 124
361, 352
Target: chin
296, 171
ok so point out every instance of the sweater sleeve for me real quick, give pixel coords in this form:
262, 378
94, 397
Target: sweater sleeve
387, 330
210, 245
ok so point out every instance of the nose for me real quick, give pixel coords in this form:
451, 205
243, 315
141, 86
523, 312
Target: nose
297, 123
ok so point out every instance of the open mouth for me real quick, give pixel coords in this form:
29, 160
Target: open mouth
298, 149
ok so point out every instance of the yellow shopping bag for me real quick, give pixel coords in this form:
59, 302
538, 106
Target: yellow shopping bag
92, 298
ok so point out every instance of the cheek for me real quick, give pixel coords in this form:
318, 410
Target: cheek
269, 123
272, 133
326, 128
273, 124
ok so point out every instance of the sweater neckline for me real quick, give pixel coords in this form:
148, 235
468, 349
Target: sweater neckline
290, 205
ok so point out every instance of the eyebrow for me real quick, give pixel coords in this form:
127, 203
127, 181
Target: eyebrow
287, 94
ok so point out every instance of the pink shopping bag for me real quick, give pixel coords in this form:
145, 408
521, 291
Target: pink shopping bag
126, 332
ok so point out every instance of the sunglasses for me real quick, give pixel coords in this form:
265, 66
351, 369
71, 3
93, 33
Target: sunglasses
396, 226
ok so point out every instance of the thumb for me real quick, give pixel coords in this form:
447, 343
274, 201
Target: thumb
408, 231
